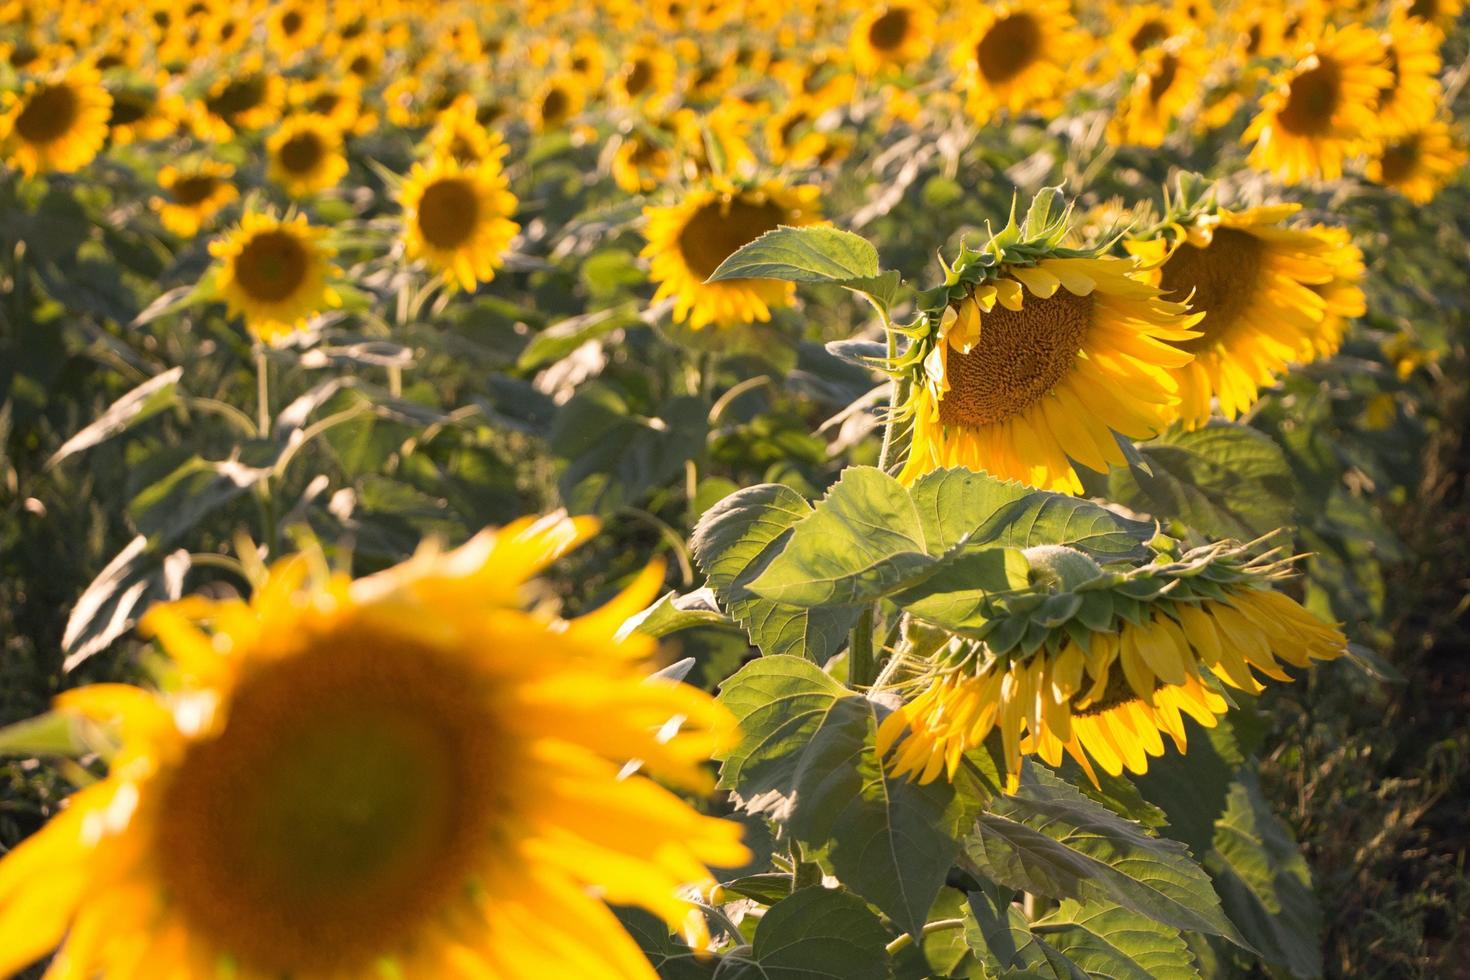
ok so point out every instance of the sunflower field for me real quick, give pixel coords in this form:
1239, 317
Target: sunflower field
734, 489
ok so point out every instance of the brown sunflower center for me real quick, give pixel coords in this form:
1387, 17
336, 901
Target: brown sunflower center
1313, 100
1424, 9
23, 54
1392, 64
555, 107
346, 800
49, 114
188, 191
1118, 692
292, 22
302, 153
129, 107
1160, 81
1021, 356
889, 31
1253, 39
239, 96
271, 266
1399, 161
638, 77
326, 103
448, 212
715, 232
361, 66
1009, 47
1151, 32
1223, 277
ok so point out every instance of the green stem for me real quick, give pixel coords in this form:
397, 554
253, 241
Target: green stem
861, 664
262, 393
938, 925
885, 454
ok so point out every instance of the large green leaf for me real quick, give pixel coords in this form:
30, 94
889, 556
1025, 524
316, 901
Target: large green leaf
1050, 839
1225, 480
815, 253
806, 758
1106, 940
734, 542
815, 933
1007, 948
1264, 882
1192, 789
672, 959
138, 405
871, 537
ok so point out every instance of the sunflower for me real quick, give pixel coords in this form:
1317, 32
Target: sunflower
274, 273
457, 218
193, 195
141, 113
405, 775
1040, 354
458, 134
892, 35
644, 157
792, 137
293, 27
559, 99
688, 241
305, 155
248, 98
1321, 109
1017, 56
1142, 28
1412, 51
823, 81
1167, 83
588, 61
1420, 162
1134, 658
340, 101
55, 125
1261, 287
647, 72
1441, 14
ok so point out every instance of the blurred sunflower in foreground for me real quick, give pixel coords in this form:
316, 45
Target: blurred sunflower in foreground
1101, 665
274, 273
688, 241
1271, 295
407, 775
57, 124
1040, 355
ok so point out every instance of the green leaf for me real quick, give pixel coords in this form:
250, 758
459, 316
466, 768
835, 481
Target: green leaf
958, 504
870, 537
52, 733
138, 405
806, 758
1264, 882
734, 542
672, 959
1050, 839
818, 934
1192, 789
168, 509
135, 578
1106, 940
815, 253
954, 595
1225, 480
560, 339
863, 540
999, 938
674, 612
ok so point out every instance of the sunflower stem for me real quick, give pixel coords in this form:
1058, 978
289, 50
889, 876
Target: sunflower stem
262, 393
860, 661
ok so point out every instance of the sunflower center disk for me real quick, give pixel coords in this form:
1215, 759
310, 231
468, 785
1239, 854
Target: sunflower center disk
448, 213
1398, 161
1223, 277
271, 266
238, 97
1010, 45
1159, 82
1151, 33
713, 233
342, 804
193, 190
1313, 100
639, 77
128, 108
555, 106
48, 115
302, 153
888, 32
1021, 356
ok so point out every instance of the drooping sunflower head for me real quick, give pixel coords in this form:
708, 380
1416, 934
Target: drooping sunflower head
1017, 57
1320, 111
275, 273
688, 241
192, 194
412, 774
1261, 287
456, 217
1419, 162
1100, 665
56, 124
305, 155
892, 35
1033, 354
